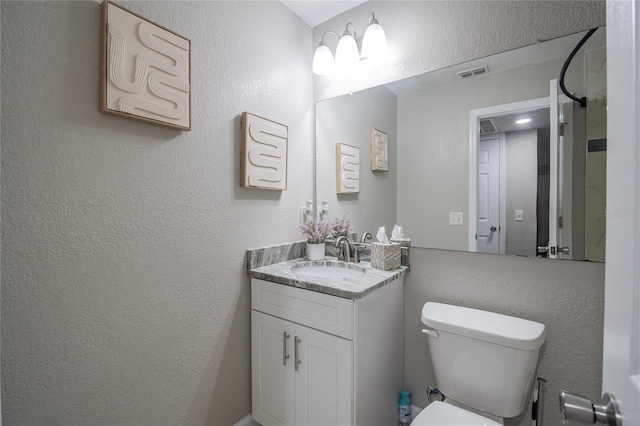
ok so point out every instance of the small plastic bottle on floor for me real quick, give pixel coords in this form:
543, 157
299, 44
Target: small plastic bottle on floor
404, 408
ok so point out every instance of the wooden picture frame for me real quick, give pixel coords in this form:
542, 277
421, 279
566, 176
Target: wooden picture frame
379, 150
145, 69
263, 153
347, 169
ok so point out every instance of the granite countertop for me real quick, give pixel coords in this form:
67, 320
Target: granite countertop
350, 288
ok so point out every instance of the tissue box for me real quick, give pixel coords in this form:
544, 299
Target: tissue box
404, 242
385, 256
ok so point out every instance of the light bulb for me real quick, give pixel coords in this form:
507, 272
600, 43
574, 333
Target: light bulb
347, 55
374, 42
323, 63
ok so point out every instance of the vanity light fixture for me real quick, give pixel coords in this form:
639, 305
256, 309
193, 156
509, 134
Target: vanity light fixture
347, 54
374, 46
323, 63
523, 121
374, 42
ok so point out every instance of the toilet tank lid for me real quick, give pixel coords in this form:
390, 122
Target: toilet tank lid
488, 326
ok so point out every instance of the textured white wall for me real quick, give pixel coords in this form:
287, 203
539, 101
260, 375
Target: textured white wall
348, 119
566, 296
429, 35
124, 293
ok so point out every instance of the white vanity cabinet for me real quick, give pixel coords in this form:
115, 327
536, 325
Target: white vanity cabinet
317, 391
319, 359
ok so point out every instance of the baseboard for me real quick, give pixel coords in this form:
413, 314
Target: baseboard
247, 421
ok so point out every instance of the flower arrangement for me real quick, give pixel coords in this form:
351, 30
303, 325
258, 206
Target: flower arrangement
341, 227
316, 231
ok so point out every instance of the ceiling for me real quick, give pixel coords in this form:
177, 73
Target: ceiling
316, 12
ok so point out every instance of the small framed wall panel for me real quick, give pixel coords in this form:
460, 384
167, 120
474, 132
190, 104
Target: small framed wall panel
145, 69
263, 153
379, 151
347, 169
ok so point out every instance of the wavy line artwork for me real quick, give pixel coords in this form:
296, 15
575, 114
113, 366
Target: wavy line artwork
348, 169
129, 103
265, 149
117, 51
379, 150
147, 69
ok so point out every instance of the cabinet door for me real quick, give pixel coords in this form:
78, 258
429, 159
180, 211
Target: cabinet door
272, 369
323, 379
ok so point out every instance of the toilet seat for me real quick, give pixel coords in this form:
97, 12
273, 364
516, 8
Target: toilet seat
440, 414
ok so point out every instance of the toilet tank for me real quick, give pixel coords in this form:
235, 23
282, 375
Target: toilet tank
481, 359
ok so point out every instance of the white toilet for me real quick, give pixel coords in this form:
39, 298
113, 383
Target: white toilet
485, 364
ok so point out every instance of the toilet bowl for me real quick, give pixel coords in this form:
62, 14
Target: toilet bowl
442, 414
484, 364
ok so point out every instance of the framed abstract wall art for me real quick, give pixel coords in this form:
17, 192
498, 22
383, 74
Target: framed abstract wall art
347, 169
145, 69
263, 154
379, 150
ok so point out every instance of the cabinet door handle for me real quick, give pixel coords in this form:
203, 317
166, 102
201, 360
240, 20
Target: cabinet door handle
296, 361
285, 357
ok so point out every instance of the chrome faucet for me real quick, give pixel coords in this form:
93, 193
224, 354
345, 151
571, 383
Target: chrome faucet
346, 250
365, 236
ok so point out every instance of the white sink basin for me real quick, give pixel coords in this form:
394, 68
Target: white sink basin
328, 271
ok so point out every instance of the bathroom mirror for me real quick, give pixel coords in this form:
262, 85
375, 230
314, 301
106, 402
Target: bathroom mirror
436, 123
